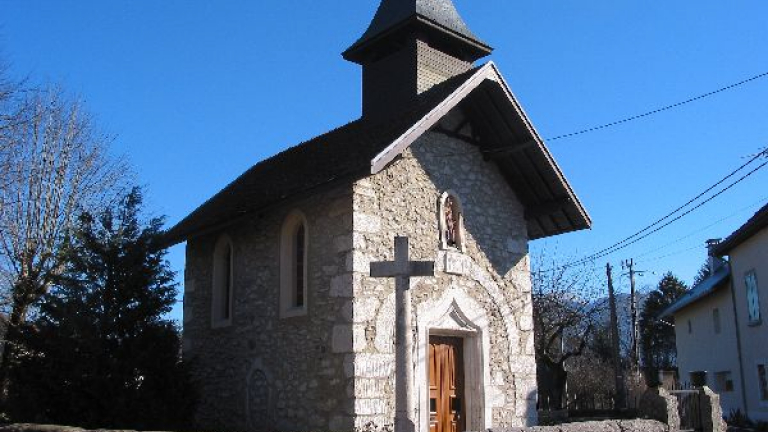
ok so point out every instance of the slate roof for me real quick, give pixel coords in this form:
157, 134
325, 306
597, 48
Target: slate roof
706, 287
368, 145
341, 153
756, 223
394, 15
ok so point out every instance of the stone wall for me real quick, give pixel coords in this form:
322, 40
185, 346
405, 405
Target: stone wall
711, 411
596, 426
264, 372
606, 426
658, 404
492, 277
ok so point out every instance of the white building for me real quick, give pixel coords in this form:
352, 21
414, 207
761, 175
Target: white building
721, 338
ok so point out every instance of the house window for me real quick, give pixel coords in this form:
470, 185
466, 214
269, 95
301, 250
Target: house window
762, 381
698, 378
690, 327
716, 320
223, 269
723, 382
753, 298
294, 241
451, 222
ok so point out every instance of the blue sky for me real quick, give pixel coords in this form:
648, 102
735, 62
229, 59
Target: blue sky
198, 91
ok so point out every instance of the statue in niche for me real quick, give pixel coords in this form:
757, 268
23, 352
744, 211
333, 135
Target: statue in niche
452, 223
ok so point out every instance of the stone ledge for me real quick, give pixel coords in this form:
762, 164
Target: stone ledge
595, 426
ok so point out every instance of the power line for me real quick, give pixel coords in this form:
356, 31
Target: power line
671, 254
658, 226
691, 201
660, 110
759, 202
508, 148
687, 212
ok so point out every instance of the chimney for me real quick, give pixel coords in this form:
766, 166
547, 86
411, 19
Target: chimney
409, 47
714, 262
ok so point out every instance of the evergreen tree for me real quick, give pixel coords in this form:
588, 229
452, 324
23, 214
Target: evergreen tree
657, 336
100, 352
702, 274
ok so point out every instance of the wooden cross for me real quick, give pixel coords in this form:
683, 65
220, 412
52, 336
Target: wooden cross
402, 270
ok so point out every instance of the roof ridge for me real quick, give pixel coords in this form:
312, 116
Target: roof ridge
752, 226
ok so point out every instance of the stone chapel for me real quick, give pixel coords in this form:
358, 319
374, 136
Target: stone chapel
284, 327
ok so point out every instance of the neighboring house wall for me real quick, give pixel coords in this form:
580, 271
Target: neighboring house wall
264, 371
752, 256
483, 294
704, 349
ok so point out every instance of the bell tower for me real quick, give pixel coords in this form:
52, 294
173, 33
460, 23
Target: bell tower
410, 46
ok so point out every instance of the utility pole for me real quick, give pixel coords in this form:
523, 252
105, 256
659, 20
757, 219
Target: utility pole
633, 312
619, 376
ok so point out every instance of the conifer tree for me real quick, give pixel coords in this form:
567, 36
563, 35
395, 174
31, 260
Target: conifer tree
657, 336
101, 352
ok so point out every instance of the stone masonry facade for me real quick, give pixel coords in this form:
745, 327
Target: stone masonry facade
403, 200
263, 371
333, 369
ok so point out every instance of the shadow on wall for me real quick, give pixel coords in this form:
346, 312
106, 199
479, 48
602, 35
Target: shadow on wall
494, 223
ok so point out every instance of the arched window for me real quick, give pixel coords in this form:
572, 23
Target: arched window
223, 283
451, 222
294, 241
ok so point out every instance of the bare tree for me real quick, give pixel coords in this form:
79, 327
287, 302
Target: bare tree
568, 304
11, 119
56, 164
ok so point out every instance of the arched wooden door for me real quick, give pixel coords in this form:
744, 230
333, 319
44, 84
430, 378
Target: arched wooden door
446, 385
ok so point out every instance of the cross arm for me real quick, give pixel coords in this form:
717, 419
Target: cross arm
393, 269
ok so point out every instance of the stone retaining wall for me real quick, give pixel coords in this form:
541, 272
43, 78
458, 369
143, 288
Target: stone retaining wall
597, 426
594, 426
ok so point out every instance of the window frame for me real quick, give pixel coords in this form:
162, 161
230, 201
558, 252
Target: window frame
724, 382
754, 288
288, 254
717, 323
218, 297
762, 391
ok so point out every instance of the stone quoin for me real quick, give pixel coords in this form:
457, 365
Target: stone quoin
287, 329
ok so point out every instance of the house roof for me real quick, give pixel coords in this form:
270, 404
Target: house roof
439, 17
368, 145
702, 290
756, 223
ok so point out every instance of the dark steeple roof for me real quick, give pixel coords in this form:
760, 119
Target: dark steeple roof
438, 17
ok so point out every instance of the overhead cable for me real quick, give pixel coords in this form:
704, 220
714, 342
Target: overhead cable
660, 110
659, 224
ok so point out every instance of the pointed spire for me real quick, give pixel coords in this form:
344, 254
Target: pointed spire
396, 19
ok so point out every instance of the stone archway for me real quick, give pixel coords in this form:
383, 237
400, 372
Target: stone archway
456, 314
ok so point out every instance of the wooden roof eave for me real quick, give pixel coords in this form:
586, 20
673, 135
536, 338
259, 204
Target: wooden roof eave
582, 218
549, 173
